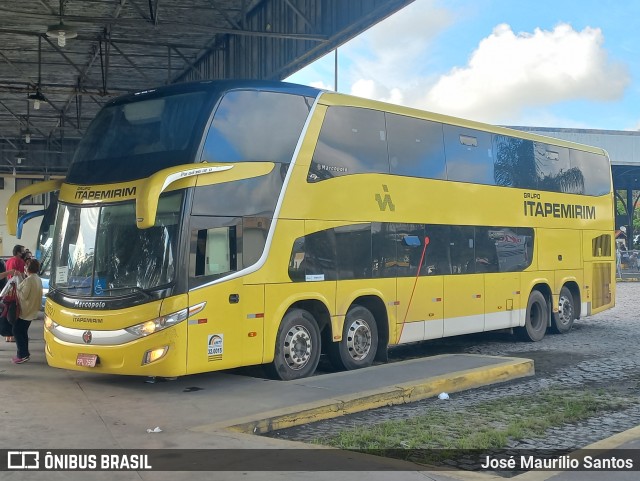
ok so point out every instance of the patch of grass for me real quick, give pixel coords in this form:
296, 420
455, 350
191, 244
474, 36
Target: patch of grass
486, 426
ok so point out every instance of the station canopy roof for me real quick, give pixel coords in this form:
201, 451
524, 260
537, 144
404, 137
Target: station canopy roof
61, 60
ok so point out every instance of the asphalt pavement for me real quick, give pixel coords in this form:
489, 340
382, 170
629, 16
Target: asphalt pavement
221, 413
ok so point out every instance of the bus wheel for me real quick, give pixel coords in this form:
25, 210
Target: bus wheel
537, 320
563, 320
297, 346
359, 341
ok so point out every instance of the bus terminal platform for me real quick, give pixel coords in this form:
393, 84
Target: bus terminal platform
51, 409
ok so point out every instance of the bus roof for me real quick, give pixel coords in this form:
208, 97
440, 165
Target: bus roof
221, 85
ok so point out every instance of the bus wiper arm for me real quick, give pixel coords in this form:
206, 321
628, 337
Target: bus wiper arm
132, 288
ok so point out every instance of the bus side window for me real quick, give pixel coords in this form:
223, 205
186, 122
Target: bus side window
469, 155
461, 250
436, 257
353, 247
313, 257
486, 259
554, 169
214, 251
594, 169
416, 147
515, 164
352, 141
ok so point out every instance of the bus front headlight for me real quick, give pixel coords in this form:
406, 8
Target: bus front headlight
49, 324
149, 327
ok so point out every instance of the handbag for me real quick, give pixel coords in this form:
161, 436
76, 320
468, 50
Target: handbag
10, 300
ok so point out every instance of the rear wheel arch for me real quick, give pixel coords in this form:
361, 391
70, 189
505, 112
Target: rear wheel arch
298, 341
364, 335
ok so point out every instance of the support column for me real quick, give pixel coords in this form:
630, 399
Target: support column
630, 218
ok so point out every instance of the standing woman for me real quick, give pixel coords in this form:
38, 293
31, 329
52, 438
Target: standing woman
29, 299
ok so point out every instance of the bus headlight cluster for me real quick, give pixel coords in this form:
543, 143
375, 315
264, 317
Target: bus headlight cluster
149, 327
49, 324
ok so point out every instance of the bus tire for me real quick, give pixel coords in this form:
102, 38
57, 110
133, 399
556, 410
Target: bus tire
537, 319
562, 322
298, 347
359, 343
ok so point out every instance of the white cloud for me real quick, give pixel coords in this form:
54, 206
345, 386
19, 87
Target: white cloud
510, 78
508, 73
392, 56
319, 84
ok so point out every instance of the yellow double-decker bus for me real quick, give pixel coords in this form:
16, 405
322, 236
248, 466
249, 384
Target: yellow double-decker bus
219, 224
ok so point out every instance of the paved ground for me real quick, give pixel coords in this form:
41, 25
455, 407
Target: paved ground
601, 351
49, 408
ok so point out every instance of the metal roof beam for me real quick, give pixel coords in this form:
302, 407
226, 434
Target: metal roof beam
180, 27
23, 75
130, 62
191, 64
20, 121
301, 15
225, 15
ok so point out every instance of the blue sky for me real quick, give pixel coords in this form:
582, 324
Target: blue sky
543, 63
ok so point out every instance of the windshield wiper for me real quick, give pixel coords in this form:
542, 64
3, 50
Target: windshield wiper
132, 288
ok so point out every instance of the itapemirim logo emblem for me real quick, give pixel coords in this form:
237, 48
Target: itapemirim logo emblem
386, 201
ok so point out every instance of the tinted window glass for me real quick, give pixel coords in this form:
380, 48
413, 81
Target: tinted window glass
486, 253
515, 164
511, 257
461, 250
554, 170
595, 169
131, 140
353, 247
410, 243
396, 251
416, 147
313, 257
254, 196
296, 261
253, 239
256, 126
436, 255
383, 249
469, 155
351, 141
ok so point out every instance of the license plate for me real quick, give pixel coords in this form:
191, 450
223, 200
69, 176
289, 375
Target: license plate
87, 360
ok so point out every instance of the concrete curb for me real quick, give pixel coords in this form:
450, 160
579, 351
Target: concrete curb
511, 368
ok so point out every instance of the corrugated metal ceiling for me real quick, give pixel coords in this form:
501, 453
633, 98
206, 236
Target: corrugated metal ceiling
117, 46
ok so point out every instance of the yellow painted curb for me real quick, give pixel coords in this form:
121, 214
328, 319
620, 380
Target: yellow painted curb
512, 368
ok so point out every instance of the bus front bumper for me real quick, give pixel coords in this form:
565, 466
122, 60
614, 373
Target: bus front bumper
160, 354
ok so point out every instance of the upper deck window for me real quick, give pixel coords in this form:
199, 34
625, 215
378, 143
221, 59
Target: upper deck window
416, 147
251, 125
352, 141
469, 155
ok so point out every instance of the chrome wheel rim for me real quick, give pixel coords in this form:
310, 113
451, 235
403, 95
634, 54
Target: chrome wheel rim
358, 340
297, 347
565, 310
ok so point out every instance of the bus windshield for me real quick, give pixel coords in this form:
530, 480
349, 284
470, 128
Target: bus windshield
127, 141
99, 250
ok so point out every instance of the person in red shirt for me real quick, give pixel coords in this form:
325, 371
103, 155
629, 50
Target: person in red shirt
16, 263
